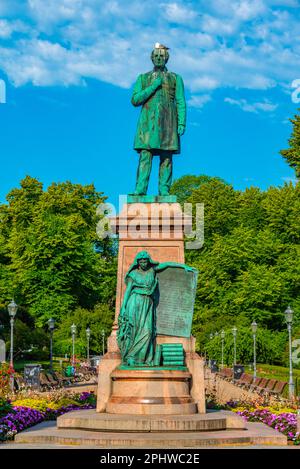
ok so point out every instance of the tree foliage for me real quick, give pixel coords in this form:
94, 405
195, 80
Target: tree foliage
51, 260
292, 154
249, 265
53, 264
184, 186
99, 319
270, 347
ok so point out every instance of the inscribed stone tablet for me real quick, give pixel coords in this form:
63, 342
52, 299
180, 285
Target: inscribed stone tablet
177, 290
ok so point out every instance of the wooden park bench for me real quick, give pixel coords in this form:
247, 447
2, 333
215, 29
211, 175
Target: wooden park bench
227, 373
245, 380
85, 373
44, 382
271, 384
222, 372
63, 380
279, 388
262, 386
19, 382
54, 382
256, 382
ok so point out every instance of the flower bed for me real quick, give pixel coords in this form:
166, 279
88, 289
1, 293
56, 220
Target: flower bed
28, 411
282, 419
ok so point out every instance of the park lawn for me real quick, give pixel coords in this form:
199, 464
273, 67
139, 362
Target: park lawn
19, 364
279, 373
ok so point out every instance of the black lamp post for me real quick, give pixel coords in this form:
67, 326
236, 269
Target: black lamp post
289, 313
222, 345
254, 329
73, 332
234, 332
12, 311
88, 335
51, 324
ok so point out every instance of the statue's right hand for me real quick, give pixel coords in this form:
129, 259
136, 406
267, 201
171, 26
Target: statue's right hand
157, 82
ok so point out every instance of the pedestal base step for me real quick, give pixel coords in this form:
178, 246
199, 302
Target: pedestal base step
95, 421
47, 433
151, 391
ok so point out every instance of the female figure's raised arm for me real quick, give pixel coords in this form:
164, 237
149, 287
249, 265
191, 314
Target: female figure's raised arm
164, 265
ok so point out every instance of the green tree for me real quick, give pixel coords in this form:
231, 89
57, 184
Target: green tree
52, 258
184, 186
99, 318
270, 346
248, 268
292, 154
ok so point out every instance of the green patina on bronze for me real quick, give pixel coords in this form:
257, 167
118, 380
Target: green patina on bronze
137, 319
151, 199
154, 368
177, 291
172, 354
162, 120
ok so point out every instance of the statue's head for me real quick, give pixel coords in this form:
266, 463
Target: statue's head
143, 264
160, 55
142, 260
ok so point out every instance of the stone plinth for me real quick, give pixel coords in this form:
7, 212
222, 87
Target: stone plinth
86, 428
108, 364
93, 421
159, 229
151, 392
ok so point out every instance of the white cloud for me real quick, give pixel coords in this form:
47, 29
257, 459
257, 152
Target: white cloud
238, 44
176, 13
213, 25
5, 29
265, 106
288, 179
250, 9
198, 101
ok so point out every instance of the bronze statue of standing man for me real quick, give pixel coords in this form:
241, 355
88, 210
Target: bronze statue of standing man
162, 120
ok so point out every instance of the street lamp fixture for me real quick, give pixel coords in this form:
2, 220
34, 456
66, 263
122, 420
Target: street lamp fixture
88, 335
254, 329
289, 313
51, 325
73, 332
234, 332
12, 311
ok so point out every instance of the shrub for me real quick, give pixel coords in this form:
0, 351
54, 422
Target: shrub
5, 374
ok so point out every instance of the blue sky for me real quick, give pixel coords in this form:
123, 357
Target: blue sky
69, 67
